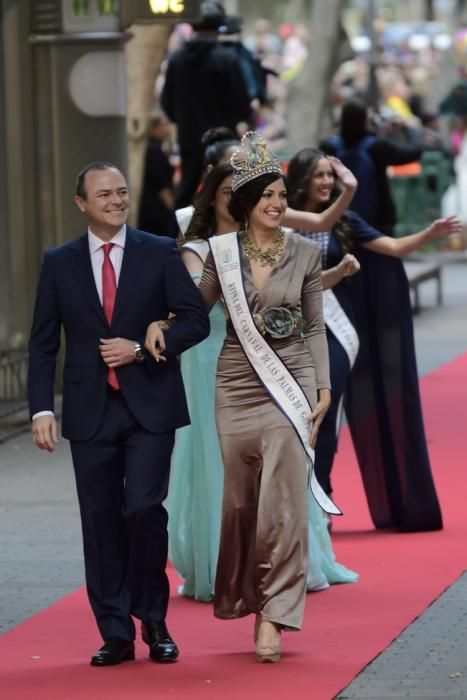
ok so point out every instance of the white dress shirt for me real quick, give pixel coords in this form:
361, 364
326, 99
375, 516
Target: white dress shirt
97, 259
97, 256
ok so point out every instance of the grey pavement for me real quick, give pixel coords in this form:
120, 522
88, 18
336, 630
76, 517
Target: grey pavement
428, 660
441, 332
41, 551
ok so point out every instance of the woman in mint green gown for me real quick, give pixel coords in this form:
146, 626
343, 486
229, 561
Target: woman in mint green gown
195, 493
196, 482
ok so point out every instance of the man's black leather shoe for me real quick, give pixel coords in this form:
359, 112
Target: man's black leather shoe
114, 651
162, 647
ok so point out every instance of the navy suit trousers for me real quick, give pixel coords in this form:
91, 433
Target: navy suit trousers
122, 477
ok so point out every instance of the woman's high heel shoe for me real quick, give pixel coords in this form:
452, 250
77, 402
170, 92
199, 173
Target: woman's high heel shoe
266, 653
257, 624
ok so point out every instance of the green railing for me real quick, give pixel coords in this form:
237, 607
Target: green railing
418, 197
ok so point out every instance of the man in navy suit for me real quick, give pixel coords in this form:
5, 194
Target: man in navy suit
120, 406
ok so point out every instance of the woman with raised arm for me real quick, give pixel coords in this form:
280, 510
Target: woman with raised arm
383, 407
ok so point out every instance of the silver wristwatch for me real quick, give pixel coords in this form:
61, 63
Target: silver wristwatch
139, 355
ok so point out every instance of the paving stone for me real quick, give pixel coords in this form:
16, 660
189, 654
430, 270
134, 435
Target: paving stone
435, 656
41, 550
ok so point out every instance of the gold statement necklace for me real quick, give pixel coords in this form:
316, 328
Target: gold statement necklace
264, 257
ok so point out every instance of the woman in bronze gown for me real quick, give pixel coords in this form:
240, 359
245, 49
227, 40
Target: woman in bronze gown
262, 567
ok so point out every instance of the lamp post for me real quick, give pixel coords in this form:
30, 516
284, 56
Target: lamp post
373, 92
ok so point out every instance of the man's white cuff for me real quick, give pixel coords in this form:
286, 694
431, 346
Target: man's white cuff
42, 413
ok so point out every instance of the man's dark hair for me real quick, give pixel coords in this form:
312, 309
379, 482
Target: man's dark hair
247, 197
353, 122
95, 165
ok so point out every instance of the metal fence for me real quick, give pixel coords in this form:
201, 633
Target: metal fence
13, 374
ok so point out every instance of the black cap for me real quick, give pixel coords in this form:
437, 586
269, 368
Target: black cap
233, 24
212, 16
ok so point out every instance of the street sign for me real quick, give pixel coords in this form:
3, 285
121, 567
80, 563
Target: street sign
90, 16
161, 10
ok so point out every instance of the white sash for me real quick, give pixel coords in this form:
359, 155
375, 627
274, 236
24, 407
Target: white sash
341, 327
184, 217
339, 323
271, 371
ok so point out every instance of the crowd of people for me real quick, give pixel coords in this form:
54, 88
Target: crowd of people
257, 99
203, 391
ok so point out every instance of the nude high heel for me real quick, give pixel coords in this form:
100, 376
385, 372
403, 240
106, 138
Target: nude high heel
267, 653
257, 624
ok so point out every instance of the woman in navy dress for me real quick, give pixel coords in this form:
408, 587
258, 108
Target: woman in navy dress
382, 400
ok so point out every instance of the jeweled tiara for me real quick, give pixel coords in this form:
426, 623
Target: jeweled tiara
252, 159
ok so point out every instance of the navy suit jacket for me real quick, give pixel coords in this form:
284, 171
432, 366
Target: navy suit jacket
153, 282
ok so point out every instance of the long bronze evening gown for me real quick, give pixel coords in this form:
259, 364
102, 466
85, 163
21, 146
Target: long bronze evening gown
263, 557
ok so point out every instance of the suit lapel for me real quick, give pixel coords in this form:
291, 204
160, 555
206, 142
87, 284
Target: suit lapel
131, 263
83, 269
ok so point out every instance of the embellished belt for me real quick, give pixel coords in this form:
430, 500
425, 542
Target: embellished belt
279, 322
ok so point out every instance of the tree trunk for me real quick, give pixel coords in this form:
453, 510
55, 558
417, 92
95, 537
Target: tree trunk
430, 11
276, 12
144, 55
461, 13
308, 93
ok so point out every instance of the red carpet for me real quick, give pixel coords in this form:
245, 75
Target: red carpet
46, 658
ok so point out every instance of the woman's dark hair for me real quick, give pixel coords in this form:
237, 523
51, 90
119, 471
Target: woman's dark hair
203, 221
216, 141
247, 197
299, 174
353, 122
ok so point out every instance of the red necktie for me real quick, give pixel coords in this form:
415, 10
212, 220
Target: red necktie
109, 292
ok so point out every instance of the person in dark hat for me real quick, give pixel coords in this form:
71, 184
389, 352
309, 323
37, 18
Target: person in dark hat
254, 73
204, 87
156, 208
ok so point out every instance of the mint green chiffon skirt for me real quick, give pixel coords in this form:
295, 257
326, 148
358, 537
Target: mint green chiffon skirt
196, 482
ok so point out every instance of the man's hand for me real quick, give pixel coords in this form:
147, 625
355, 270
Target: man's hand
318, 414
155, 341
117, 352
45, 432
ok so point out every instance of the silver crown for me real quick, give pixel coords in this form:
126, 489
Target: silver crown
252, 159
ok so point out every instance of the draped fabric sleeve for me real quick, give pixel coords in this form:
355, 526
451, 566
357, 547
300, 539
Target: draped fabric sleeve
314, 330
382, 401
209, 286
362, 232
